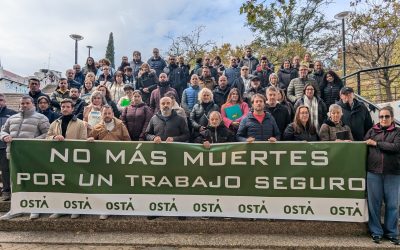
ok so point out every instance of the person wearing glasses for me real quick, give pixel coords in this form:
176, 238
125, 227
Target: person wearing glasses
296, 86
355, 114
383, 177
243, 82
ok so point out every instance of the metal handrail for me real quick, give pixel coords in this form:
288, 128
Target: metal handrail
372, 106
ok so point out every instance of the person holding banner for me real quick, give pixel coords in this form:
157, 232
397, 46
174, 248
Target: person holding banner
333, 128
258, 125
383, 177
27, 123
234, 110
167, 125
216, 132
301, 129
68, 126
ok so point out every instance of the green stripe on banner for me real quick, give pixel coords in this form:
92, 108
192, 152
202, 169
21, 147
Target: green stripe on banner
319, 170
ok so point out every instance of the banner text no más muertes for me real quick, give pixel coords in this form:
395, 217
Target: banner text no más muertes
301, 181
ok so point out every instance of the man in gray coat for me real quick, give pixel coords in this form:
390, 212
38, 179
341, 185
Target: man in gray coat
296, 86
27, 123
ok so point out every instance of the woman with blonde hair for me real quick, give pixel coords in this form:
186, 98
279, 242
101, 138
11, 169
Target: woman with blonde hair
92, 112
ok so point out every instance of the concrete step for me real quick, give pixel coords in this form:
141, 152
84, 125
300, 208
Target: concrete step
4, 206
137, 224
124, 240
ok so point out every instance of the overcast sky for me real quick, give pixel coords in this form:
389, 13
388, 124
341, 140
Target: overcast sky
36, 32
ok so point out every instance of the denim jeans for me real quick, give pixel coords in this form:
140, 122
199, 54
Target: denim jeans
383, 187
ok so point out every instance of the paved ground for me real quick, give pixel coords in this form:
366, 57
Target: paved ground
117, 240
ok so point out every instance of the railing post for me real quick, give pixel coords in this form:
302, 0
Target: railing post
358, 83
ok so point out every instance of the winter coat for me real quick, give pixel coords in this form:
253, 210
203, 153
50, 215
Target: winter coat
219, 134
158, 64
213, 72
147, 80
385, 156
305, 135
263, 74
76, 129
172, 126
285, 76
114, 107
74, 84
104, 79
80, 77
50, 114
26, 124
295, 89
251, 62
240, 84
135, 65
357, 118
178, 76
281, 116
136, 117
5, 113
208, 82
220, 95
189, 98
322, 110
330, 93
79, 107
201, 113
36, 96
155, 96
329, 129
119, 132
250, 127
252, 91
116, 90
232, 73
318, 76
57, 96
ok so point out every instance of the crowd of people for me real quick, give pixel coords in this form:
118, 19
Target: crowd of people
247, 101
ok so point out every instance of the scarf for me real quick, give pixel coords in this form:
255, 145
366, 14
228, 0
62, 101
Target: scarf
313, 106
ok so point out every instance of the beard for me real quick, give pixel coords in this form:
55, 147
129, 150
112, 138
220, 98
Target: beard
166, 111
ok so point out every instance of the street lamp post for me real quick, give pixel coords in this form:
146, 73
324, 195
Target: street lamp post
76, 38
342, 16
89, 47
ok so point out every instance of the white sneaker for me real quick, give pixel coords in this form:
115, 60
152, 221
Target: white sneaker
34, 216
103, 217
55, 216
75, 216
9, 216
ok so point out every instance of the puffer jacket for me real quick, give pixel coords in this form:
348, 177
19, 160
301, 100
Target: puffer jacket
76, 129
136, 117
119, 132
201, 113
329, 129
285, 76
147, 80
305, 135
177, 76
189, 98
172, 126
26, 124
318, 76
250, 127
158, 64
220, 95
135, 65
330, 93
385, 157
295, 89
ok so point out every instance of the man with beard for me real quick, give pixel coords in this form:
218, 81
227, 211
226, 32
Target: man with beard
278, 111
110, 128
296, 86
163, 86
136, 63
78, 103
27, 123
167, 125
70, 74
258, 125
221, 92
249, 60
177, 75
124, 63
79, 76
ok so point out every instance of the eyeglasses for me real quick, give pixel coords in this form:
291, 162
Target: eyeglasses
310, 89
384, 116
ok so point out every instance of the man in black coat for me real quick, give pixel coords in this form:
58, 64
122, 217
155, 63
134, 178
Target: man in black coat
221, 92
355, 114
34, 90
167, 125
5, 113
279, 112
